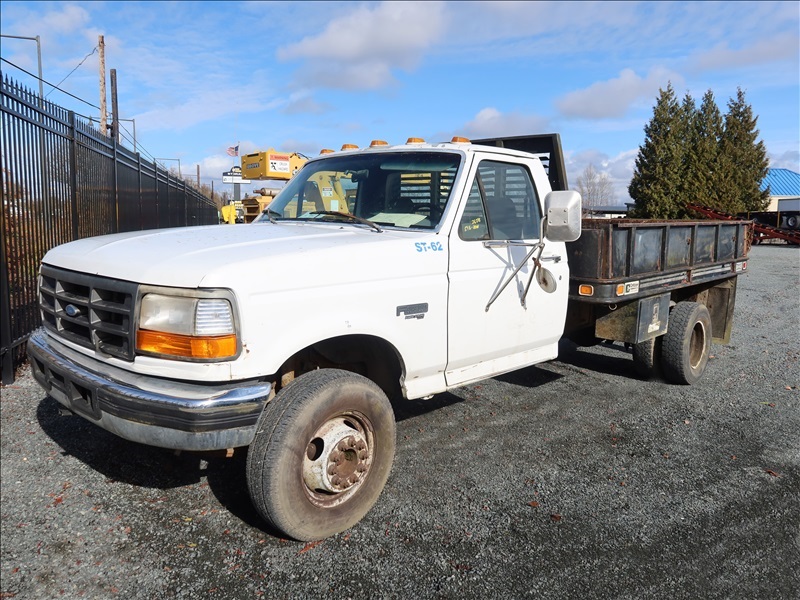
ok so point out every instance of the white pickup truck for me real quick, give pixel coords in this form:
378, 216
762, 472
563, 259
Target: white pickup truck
392, 271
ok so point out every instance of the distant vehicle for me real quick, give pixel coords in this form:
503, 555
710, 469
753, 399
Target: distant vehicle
786, 219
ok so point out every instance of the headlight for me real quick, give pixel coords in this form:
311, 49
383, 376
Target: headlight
176, 326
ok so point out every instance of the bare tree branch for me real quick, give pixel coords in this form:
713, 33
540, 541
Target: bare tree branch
595, 187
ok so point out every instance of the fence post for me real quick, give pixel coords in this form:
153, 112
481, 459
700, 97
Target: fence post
116, 185
73, 173
6, 351
141, 200
167, 201
157, 199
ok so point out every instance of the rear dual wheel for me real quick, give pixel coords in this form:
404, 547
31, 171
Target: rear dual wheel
322, 453
687, 344
647, 358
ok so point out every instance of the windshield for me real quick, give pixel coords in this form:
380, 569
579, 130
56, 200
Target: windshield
393, 189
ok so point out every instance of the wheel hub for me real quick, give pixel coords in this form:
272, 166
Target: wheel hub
697, 345
337, 458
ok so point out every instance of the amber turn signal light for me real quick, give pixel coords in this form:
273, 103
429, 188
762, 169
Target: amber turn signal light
186, 346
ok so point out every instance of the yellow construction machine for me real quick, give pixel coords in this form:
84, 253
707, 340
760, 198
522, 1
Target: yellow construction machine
323, 189
254, 205
271, 165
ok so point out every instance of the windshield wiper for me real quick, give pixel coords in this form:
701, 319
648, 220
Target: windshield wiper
349, 217
269, 212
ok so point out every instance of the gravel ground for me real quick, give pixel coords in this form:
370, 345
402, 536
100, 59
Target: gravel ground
572, 479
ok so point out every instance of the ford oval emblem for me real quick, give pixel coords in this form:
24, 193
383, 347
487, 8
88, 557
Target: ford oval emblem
72, 310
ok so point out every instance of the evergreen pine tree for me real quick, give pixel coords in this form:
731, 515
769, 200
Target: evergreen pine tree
706, 166
747, 158
683, 190
660, 164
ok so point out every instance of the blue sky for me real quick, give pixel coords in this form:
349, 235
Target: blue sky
198, 77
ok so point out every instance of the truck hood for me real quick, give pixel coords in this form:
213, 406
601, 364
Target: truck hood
224, 255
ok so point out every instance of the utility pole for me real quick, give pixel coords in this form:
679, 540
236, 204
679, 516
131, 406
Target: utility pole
198, 176
114, 106
101, 45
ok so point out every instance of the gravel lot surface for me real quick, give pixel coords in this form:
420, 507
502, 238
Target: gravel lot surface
572, 479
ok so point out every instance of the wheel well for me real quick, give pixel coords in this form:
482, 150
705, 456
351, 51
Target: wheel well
719, 298
372, 357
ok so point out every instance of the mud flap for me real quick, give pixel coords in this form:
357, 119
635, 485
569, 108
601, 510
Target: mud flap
635, 322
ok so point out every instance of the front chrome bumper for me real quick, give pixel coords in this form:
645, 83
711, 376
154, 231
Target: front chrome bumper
148, 410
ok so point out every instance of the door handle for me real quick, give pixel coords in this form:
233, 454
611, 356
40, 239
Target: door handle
556, 258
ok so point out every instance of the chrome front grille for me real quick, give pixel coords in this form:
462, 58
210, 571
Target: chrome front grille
94, 312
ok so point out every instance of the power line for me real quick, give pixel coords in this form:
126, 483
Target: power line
73, 70
141, 149
90, 119
48, 83
127, 136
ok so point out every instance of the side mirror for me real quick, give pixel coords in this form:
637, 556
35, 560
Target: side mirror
562, 216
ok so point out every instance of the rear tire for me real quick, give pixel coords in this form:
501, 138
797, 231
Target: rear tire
321, 455
647, 358
687, 343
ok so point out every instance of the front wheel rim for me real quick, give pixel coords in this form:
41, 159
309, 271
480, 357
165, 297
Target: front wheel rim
337, 459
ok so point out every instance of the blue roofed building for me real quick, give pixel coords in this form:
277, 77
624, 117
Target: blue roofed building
784, 185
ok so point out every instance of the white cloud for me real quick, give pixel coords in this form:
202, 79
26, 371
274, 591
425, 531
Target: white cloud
66, 20
48, 26
201, 107
784, 46
215, 165
787, 160
548, 25
360, 50
351, 76
490, 122
302, 147
619, 169
302, 104
613, 98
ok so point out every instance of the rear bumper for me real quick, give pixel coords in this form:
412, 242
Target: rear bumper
148, 410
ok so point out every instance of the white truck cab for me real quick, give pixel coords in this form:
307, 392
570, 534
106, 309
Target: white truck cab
388, 271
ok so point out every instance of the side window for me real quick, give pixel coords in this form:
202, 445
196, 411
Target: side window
502, 204
473, 222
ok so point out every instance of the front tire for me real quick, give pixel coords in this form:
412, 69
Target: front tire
322, 453
687, 343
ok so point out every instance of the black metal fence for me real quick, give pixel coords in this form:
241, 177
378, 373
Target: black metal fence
64, 180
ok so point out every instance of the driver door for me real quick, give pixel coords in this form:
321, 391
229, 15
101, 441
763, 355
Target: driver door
501, 214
